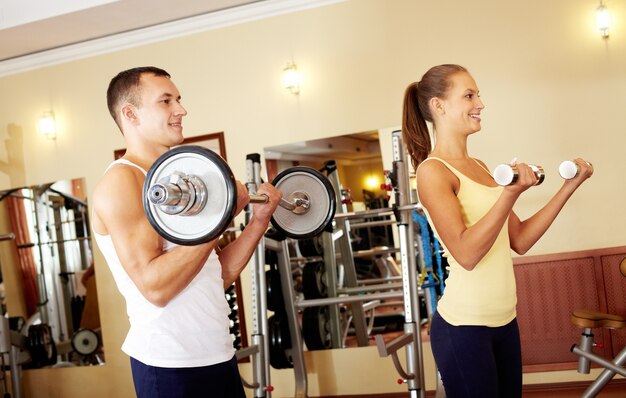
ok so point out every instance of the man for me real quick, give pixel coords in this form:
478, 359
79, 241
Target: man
178, 340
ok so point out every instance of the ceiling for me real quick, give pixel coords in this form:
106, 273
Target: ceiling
349, 149
33, 26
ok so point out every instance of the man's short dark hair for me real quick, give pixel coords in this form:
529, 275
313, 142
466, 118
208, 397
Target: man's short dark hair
125, 88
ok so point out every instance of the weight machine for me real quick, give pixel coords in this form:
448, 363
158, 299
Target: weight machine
411, 339
339, 239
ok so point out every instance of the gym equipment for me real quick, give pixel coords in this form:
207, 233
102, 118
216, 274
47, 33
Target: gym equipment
310, 204
507, 174
41, 346
313, 280
85, 342
259, 349
316, 328
190, 197
339, 241
411, 338
235, 327
569, 169
9, 236
429, 280
323, 313
588, 320
280, 342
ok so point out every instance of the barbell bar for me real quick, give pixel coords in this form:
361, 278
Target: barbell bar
190, 197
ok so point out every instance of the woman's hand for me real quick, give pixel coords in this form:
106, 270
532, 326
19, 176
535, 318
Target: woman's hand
526, 178
585, 170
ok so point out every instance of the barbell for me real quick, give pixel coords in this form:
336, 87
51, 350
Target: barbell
190, 197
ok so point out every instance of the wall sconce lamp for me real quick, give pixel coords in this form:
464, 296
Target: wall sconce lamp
48, 125
603, 20
292, 78
372, 182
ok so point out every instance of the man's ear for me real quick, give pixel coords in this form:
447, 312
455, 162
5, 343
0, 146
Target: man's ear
129, 113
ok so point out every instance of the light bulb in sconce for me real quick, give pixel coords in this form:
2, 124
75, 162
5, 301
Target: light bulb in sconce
603, 20
292, 78
372, 182
47, 125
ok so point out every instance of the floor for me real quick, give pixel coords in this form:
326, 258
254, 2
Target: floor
615, 389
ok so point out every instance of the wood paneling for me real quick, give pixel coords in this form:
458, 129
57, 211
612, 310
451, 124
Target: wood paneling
550, 287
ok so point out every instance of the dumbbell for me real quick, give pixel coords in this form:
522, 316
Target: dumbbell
570, 169
190, 197
507, 174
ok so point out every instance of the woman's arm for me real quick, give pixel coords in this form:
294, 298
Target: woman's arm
438, 187
524, 234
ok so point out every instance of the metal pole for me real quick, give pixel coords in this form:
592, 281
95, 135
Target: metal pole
414, 356
16, 372
9, 236
42, 294
611, 369
347, 258
297, 346
259, 335
348, 299
330, 264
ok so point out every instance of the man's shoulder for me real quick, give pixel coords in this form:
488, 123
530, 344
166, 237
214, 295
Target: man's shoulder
118, 179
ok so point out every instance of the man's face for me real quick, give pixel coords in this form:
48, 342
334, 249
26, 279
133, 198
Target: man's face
160, 113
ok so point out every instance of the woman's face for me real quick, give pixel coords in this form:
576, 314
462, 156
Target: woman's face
462, 105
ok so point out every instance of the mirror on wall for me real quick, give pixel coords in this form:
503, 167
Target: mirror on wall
48, 284
357, 157
358, 165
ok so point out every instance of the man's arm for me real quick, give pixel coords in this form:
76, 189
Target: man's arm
118, 211
236, 255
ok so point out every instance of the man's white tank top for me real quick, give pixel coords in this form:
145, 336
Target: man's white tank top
191, 330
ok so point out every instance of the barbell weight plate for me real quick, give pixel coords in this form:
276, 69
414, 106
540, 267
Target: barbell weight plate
85, 342
314, 280
316, 328
280, 342
221, 195
311, 247
322, 202
41, 346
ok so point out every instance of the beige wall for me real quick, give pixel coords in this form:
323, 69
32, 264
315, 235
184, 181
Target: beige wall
553, 90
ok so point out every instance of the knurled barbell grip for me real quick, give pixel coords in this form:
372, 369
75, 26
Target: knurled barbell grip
283, 203
259, 198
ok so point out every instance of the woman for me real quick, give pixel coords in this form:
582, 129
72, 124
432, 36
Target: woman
474, 333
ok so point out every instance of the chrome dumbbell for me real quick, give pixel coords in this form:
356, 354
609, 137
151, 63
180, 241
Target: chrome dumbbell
570, 169
507, 174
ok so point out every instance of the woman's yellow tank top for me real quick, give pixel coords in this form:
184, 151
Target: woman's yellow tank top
486, 295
